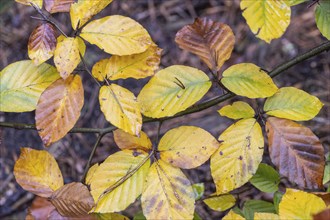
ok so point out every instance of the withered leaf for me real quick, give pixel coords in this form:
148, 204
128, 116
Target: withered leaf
296, 151
39, 209
212, 41
54, 6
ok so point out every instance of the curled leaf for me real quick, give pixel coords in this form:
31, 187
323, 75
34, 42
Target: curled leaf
127, 141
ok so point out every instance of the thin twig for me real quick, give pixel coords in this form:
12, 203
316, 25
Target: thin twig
87, 69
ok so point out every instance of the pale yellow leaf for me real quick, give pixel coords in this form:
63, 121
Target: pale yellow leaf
90, 173
83, 10
125, 140
167, 193
28, 2
136, 66
172, 90
267, 19
296, 204
237, 110
187, 146
37, 171
120, 108
265, 216
66, 55
59, 108
118, 35
220, 203
111, 172
239, 155
247, 79
22, 83
232, 216
294, 104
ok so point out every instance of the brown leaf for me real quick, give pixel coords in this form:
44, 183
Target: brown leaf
39, 209
325, 196
323, 215
72, 200
59, 108
42, 43
54, 6
212, 41
296, 152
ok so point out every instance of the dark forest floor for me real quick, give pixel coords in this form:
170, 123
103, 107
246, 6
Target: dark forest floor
162, 19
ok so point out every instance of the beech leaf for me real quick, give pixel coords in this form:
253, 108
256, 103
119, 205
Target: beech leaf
42, 43
231, 215
66, 55
39, 209
28, 2
220, 203
247, 79
264, 215
59, 108
212, 41
127, 141
187, 147
72, 200
109, 195
294, 104
118, 35
322, 17
21, 84
172, 90
167, 193
294, 2
252, 206
37, 171
237, 110
238, 156
296, 152
54, 6
90, 173
120, 108
136, 66
266, 178
268, 20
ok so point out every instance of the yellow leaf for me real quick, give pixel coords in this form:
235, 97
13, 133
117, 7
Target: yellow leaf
136, 66
59, 108
42, 43
247, 79
22, 83
220, 203
90, 173
83, 10
172, 90
232, 216
187, 147
297, 204
237, 110
294, 104
120, 108
118, 35
267, 19
294, 2
127, 141
112, 171
66, 55
322, 17
27, 2
37, 171
264, 216
239, 155
167, 193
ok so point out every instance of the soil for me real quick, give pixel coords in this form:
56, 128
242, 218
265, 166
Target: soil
162, 19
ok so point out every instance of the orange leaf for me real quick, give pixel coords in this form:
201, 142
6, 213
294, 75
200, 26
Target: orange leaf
296, 152
127, 141
59, 108
54, 6
72, 200
37, 171
42, 43
212, 41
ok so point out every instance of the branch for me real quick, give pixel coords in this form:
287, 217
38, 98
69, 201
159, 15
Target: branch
196, 108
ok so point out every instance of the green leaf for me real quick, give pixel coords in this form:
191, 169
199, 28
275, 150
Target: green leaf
172, 90
247, 79
267, 19
237, 110
294, 104
266, 178
198, 190
276, 200
220, 203
294, 2
322, 17
252, 206
21, 84
139, 216
326, 177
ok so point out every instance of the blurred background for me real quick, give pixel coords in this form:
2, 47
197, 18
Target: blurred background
162, 19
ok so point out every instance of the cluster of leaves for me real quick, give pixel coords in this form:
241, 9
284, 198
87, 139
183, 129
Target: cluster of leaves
154, 170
